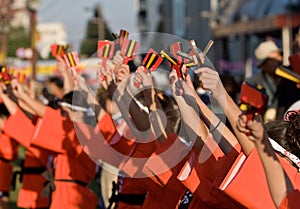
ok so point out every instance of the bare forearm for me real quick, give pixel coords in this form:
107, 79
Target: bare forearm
219, 130
279, 183
26, 107
135, 117
232, 112
158, 119
38, 107
194, 125
68, 82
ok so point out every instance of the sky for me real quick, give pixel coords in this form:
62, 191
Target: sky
74, 14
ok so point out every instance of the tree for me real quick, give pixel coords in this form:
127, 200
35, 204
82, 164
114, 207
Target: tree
89, 44
17, 37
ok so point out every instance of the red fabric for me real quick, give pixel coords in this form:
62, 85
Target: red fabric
56, 133
8, 147
291, 201
29, 195
20, 128
203, 173
5, 176
131, 186
250, 175
8, 151
163, 165
257, 194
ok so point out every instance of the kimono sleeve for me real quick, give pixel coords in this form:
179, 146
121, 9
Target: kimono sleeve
54, 132
246, 182
20, 128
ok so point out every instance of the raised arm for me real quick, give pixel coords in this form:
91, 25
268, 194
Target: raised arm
66, 74
158, 119
210, 80
136, 117
37, 106
82, 85
189, 111
279, 183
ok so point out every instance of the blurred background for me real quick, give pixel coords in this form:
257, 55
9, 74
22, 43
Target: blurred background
29, 27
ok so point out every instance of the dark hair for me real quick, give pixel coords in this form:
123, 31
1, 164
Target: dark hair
3, 111
293, 133
76, 98
102, 97
286, 133
52, 100
171, 110
57, 81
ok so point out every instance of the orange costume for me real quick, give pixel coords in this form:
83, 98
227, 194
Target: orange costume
291, 201
19, 127
248, 172
131, 191
203, 173
8, 152
136, 183
163, 166
73, 168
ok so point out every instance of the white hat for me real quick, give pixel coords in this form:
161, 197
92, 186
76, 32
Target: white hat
264, 50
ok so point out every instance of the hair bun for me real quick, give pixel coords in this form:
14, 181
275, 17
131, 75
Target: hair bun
295, 120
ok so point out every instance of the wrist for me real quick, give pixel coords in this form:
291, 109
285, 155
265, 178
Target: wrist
261, 143
22, 96
222, 98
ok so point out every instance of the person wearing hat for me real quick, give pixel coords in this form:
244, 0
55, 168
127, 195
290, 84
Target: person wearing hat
269, 57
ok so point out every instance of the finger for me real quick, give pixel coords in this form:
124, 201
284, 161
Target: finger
253, 125
183, 69
195, 59
257, 118
243, 118
241, 128
173, 74
204, 69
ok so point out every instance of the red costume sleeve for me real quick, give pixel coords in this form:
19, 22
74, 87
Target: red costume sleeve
246, 182
56, 133
20, 128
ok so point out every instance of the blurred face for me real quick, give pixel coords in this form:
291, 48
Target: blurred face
270, 65
55, 90
276, 55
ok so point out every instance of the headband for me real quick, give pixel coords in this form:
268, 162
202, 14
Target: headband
286, 153
89, 111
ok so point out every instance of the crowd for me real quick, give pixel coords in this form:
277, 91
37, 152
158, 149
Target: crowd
154, 149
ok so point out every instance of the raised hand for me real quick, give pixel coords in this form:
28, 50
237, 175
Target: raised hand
118, 58
17, 89
61, 65
142, 77
122, 72
252, 128
210, 80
